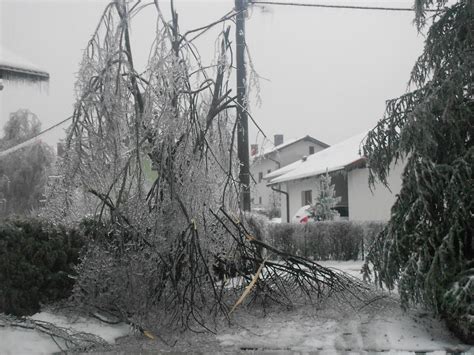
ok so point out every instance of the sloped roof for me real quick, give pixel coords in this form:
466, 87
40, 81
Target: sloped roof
289, 143
281, 171
14, 67
330, 159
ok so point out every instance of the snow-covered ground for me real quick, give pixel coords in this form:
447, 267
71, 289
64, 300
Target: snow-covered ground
350, 267
18, 341
330, 328
337, 328
334, 328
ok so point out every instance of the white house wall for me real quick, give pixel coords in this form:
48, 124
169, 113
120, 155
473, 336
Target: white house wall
363, 204
288, 155
367, 205
296, 187
259, 190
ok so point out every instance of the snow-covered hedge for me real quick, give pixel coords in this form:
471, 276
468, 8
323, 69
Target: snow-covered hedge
325, 240
36, 261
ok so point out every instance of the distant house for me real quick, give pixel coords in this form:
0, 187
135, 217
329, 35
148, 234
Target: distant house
349, 172
14, 68
281, 155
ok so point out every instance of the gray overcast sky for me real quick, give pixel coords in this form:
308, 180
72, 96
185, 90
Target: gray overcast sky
329, 71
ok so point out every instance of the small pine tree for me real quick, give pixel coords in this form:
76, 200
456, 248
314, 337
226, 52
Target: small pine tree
326, 200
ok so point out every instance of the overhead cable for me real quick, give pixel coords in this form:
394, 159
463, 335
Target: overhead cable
353, 7
31, 140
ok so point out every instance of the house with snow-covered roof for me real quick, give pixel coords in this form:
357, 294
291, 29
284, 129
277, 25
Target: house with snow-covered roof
277, 157
14, 68
299, 182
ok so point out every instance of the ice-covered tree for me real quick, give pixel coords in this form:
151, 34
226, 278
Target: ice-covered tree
156, 236
24, 172
427, 248
326, 199
22, 125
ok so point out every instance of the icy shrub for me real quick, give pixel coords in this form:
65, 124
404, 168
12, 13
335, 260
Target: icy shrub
325, 240
134, 274
36, 262
283, 236
333, 240
326, 199
114, 270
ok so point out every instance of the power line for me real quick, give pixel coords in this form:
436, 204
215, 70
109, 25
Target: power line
336, 6
32, 139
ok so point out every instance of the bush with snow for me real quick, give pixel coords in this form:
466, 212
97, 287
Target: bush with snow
325, 240
36, 263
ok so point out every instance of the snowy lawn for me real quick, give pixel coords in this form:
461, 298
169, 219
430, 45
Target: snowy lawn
332, 327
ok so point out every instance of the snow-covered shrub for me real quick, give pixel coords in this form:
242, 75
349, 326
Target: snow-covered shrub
133, 275
284, 236
325, 240
333, 240
118, 276
326, 199
36, 262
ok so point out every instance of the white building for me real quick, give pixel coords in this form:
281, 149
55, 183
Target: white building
14, 68
283, 153
299, 182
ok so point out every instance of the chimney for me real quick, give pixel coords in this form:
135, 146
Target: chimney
277, 139
253, 149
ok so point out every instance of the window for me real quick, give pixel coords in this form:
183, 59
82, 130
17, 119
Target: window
260, 177
343, 211
311, 150
306, 197
260, 200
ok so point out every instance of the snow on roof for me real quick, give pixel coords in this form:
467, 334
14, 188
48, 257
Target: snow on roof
282, 170
333, 158
13, 65
290, 142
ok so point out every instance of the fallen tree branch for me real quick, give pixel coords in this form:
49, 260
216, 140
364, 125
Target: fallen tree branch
288, 275
73, 340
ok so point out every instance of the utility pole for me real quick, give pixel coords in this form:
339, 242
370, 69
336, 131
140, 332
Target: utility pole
242, 119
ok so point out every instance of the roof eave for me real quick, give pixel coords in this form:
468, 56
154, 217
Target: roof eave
11, 73
359, 163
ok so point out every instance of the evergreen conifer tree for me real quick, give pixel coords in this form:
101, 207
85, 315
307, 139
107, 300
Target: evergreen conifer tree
427, 247
326, 200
